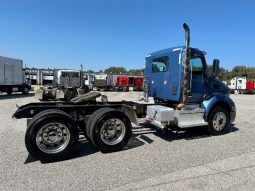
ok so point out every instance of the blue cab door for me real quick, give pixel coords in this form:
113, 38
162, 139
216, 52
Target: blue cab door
196, 84
163, 71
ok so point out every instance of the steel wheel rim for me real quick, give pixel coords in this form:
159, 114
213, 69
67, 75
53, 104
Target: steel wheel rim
53, 138
219, 121
112, 131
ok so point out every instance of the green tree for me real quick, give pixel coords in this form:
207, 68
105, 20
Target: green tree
136, 72
115, 70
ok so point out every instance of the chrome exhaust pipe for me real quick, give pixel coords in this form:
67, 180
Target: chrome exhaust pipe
185, 68
82, 83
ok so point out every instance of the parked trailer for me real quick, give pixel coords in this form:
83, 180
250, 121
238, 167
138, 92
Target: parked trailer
138, 83
118, 82
250, 86
111, 82
242, 85
182, 100
122, 83
100, 82
12, 76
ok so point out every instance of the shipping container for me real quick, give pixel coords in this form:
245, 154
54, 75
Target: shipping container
12, 76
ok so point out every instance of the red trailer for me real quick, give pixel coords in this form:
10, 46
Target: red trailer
138, 83
250, 86
122, 83
118, 82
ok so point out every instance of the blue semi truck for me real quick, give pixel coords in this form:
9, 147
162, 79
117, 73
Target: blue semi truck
185, 95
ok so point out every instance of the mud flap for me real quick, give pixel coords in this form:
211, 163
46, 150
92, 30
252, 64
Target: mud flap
130, 113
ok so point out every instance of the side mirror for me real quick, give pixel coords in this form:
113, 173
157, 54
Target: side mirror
216, 67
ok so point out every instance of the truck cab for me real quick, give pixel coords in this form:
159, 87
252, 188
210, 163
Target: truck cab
164, 73
67, 78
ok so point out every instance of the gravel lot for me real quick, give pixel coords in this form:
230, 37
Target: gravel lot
189, 160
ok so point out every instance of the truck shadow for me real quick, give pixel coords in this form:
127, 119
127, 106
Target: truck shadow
139, 138
81, 149
15, 96
189, 133
85, 148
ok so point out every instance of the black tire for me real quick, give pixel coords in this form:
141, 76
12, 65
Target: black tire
120, 137
124, 89
44, 97
40, 114
92, 117
38, 123
120, 88
25, 90
218, 121
9, 91
115, 89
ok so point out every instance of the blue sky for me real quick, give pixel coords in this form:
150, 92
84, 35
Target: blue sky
103, 33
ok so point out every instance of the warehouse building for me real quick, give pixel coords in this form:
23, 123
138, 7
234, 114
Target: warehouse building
39, 76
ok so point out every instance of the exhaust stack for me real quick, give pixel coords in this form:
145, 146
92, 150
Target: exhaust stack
185, 68
82, 83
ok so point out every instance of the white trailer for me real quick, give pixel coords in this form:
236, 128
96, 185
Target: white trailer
238, 84
100, 82
12, 76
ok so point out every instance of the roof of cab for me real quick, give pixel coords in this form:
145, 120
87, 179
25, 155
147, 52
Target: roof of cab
167, 50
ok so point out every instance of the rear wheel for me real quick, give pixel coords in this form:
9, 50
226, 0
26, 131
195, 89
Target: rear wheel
218, 121
9, 91
110, 130
50, 136
25, 90
92, 117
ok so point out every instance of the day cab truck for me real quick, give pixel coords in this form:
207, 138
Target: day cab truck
185, 95
12, 76
67, 84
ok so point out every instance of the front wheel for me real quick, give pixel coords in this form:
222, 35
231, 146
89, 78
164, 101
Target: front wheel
218, 121
110, 130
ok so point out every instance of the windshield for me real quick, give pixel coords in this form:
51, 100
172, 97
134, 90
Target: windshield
70, 74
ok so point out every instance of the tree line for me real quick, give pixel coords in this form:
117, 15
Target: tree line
240, 71
225, 75
123, 70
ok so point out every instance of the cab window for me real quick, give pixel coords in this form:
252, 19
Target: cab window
196, 64
160, 64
